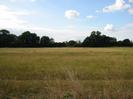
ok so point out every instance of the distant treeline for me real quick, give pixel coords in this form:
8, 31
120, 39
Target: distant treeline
28, 39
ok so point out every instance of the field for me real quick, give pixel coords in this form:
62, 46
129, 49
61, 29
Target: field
66, 73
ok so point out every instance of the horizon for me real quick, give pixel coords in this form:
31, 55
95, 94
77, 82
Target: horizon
68, 19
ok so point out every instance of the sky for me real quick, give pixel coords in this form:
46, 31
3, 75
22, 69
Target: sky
66, 20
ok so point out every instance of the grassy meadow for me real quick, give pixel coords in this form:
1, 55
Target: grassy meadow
66, 73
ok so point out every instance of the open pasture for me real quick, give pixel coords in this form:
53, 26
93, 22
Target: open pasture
66, 73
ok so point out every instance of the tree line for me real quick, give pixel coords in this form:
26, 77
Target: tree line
28, 39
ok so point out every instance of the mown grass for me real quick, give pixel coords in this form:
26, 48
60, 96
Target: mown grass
66, 73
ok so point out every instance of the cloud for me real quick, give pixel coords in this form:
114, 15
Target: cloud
72, 14
90, 16
10, 18
109, 28
121, 32
118, 5
125, 31
129, 25
130, 11
131, 1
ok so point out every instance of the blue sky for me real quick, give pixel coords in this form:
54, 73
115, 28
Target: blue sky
68, 19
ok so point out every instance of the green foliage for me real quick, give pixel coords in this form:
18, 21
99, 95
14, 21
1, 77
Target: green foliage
73, 43
3, 31
98, 40
46, 41
7, 39
28, 39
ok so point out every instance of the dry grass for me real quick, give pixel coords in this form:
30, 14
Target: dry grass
66, 73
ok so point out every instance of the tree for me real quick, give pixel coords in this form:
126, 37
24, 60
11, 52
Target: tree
98, 40
71, 43
28, 39
60, 44
46, 41
12, 40
7, 39
4, 31
127, 42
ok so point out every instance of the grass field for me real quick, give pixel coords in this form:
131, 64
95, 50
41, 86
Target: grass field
66, 73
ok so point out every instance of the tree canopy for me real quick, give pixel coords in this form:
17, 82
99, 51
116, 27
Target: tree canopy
28, 39
98, 40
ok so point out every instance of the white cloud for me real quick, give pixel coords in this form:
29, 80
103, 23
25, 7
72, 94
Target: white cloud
10, 18
125, 31
119, 5
90, 16
130, 11
131, 1
121, 32
129, 25
59, 34
71, 14
109, 28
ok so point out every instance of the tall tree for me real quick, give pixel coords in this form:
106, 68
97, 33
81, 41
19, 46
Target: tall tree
7, 39
71, 43
98, 40
28, 39
46, 41
127, 42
